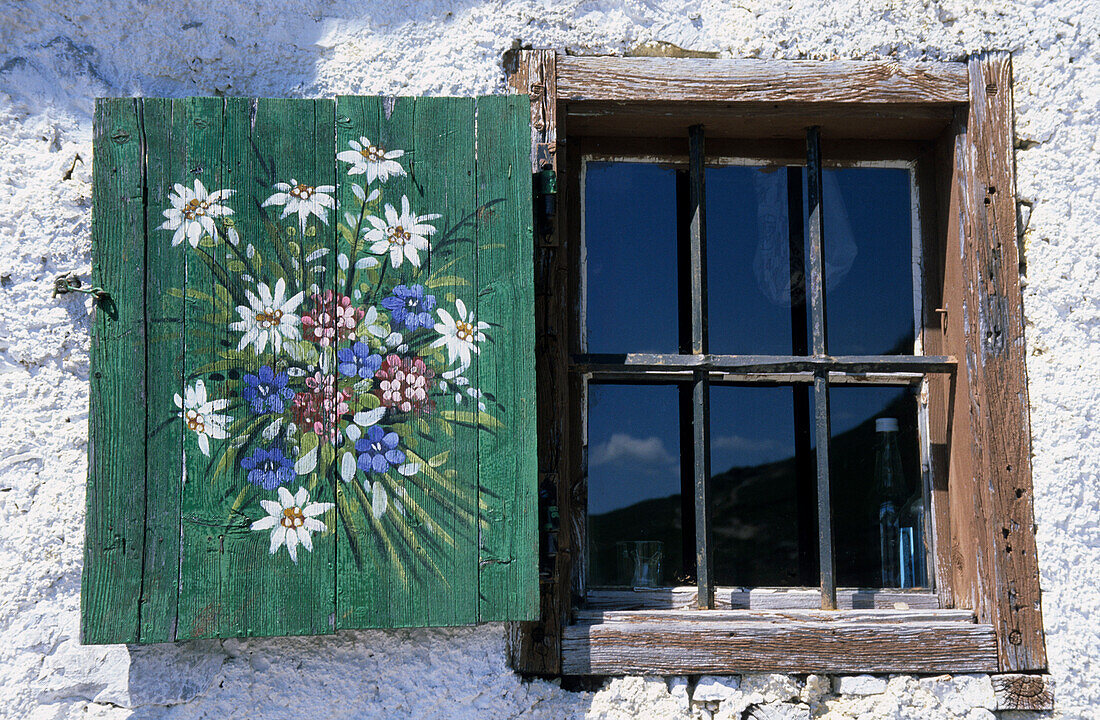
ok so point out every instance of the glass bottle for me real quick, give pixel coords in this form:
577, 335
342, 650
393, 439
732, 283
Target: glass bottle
890, 487
913, 573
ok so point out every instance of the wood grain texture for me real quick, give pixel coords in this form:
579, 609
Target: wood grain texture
1018, 691
535, 647
442, 180
768, 81
798, 647
757, 599
995, 360
115, 531
165, 133
507, 460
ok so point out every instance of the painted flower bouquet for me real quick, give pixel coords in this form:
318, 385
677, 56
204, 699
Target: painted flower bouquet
349, 364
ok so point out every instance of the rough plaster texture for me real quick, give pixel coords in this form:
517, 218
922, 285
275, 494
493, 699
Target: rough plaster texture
55, 57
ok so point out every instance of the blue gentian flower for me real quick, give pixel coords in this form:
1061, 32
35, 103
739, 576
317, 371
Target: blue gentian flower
409, 305
378, 450
358, 361
266, 391
269, 468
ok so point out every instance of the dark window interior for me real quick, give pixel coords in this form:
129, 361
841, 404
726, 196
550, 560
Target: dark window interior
763, 507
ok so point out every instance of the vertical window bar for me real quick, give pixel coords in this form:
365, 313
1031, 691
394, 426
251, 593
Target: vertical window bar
803, 445
700, 383
816, 293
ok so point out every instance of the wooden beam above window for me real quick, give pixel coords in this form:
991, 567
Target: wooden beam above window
765, 81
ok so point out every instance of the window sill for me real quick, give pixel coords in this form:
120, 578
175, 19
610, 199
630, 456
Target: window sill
682, 642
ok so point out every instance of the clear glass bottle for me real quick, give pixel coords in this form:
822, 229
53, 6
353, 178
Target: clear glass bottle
890, 487
913, 568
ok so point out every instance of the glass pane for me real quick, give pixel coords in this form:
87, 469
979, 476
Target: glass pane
748, 261
876, 486
630, 263
868, 261
754, 486
634, 486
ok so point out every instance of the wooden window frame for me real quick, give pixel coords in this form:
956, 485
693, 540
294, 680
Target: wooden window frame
986, 563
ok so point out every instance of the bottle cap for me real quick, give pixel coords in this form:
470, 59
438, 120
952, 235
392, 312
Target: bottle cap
886, 425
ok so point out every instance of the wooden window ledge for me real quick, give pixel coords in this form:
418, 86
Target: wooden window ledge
681, 642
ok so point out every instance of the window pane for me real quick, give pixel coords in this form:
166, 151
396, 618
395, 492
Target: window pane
748, 262
864, 478
630, 263
868, 261
754, 486
634, 486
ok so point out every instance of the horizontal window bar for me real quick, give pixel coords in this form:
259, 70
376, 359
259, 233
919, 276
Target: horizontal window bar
717, 377
649, 362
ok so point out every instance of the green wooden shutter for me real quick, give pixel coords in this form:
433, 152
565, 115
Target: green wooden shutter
312, 392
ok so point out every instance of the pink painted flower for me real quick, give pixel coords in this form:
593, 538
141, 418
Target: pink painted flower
321, 405
404, 383
332, 318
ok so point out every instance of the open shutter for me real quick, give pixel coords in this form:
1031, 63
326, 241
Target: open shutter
312, 394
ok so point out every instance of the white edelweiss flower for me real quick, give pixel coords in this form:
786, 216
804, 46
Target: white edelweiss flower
269, 317
459, 335
305, 200
402, 235
202, 415
374, 160
193, 211
291, 520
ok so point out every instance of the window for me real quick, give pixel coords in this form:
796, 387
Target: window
739, 491
955, 382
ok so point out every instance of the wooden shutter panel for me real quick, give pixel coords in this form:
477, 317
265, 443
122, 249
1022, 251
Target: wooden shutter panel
319, 339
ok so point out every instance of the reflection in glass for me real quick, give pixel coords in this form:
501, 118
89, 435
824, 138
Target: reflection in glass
754, 486
868, 261
630, 263
749, 274
876, 480
634, 484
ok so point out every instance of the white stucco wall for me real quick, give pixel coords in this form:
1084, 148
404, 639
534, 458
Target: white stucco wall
55, 57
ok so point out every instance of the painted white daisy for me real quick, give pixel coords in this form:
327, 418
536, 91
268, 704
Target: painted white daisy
291, 520
403, 235
459, 335
373, 160
268, 317
193, 211
305, 200
202, 416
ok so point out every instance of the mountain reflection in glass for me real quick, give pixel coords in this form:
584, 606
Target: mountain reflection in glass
634, 481
753, 485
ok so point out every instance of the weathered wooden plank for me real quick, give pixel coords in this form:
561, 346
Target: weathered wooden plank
442, 173
774, 616
361, 588
165, 133
507, 461
995, 359
646, 362
114, 540
535, 647
756, 599
203, 610
767, 81
793, 647
1016, 691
